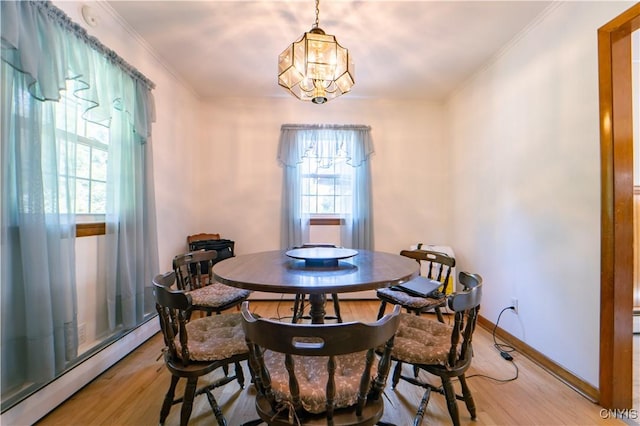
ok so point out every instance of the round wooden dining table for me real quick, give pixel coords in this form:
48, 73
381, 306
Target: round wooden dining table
278, 272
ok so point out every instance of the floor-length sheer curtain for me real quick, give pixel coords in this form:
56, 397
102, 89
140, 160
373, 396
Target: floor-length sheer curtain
44, 53
326, 141
39, 335
132, 256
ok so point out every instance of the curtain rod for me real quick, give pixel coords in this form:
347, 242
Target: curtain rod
60, 17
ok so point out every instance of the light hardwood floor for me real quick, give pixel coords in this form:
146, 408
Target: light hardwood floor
131, 392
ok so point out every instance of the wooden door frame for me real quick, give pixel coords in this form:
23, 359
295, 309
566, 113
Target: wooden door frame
616, 151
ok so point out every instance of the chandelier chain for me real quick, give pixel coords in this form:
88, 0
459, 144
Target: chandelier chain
315, 25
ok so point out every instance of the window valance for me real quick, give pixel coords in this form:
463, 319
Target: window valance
298, 141
36, 42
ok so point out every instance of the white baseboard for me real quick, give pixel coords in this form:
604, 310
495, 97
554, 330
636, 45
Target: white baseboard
39, 404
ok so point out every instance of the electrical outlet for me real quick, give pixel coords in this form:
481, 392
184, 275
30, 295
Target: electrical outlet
514, 303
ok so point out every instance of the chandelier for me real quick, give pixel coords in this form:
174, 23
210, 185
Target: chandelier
315, 68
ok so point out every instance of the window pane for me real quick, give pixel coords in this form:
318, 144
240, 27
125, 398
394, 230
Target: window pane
325, 186
98, 197
99, 165
325, 204
83, 154
83, 162
343, 185
82, 196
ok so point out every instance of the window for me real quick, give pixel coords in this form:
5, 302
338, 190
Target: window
326, 185
58, 164
82, 158
327, 181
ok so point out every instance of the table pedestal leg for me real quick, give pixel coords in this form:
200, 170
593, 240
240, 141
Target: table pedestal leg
316, 310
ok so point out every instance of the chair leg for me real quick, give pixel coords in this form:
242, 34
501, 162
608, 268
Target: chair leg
397, 372
452, 405
336, 306
468, 399
240, 375
187, 402
383, 306
439, 314
422, 408
298, 306
216, 409
168, 399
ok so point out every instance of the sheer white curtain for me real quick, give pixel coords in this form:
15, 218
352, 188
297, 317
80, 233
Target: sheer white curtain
42, 49
131, 238
39, 325
324, 141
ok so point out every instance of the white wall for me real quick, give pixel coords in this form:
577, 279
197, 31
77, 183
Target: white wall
409, 167
526, 179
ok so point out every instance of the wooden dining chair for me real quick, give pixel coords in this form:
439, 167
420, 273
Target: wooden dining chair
441, 350
206, 241
194, 275
299, 301
196, 348
319, 374
202, 236
435, 266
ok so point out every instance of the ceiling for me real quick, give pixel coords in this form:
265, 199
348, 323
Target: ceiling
401, 49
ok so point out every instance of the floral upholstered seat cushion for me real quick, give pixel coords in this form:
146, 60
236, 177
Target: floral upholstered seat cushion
420, 340
405, 299
312, 376
216, 295
214, 338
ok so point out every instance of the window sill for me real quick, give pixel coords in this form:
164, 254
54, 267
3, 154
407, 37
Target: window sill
326, 221
90, 229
